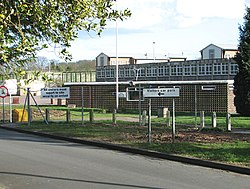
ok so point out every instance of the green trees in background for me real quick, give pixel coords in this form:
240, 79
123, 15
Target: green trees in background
28, 26
242, 79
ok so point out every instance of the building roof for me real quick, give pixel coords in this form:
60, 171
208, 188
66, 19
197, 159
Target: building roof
153, 82
144, 56
223, 47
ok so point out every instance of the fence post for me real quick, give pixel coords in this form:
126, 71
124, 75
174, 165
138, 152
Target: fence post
173, 122
114, 117
47, 116
202, 123
228, 121
144, 116
168, 118
149, 121
214, 119
91, 116
67, 116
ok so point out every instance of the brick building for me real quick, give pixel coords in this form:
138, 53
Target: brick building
206, 96
205, 84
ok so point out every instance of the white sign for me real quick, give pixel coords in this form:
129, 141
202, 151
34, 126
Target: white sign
11, 84
122, 94
59, 92
161, 92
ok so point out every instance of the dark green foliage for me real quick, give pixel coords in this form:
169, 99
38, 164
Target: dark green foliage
27, 26
242, 79
81, 65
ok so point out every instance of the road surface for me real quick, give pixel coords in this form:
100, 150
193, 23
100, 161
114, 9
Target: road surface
32, 162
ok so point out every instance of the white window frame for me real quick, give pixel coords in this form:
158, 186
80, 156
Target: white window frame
217, 68
224, 69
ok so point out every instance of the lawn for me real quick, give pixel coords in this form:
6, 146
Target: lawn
100, 114
214, 145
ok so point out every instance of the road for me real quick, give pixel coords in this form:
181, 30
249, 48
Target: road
32, 162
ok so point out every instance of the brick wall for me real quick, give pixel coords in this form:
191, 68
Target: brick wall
101, 96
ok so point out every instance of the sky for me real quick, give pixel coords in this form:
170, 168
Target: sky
164, 28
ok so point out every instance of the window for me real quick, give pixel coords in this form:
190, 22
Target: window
217, 68
193, 69
151, 71
148, 71
224, 68
98, 73
208, 87
154, 71
121, 72
211, 54
102, 73
233, 69
163, 71
108, 73
126, 72
202, 69
179, 69
208, 69
142, 72
187, 69
133, 94
101, 61
166, 69
173, 70
176, 69
112, 72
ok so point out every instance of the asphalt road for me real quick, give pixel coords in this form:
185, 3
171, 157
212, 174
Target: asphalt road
28, 161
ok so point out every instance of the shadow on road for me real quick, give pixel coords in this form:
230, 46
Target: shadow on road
79, 180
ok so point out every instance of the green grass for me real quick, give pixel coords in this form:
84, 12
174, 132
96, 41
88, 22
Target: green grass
236, 152
182, 118
130, 133
236, 122
232, 153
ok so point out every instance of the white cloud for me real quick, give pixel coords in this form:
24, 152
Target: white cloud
175, 25
192, 12
148, 13
145, 13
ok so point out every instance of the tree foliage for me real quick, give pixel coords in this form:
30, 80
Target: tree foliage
27, 26
242, 79
81, 65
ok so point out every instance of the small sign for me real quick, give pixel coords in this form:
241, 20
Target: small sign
58, 92
3, 91
11, 85
120, 94
161, 92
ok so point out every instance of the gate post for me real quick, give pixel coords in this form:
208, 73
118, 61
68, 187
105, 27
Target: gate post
202, 123
228, 121
214, 119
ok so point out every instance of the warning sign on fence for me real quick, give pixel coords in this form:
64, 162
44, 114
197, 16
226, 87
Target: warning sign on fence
58, 92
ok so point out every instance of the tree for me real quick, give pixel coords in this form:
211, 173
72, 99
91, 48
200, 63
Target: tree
27, 26
242, 79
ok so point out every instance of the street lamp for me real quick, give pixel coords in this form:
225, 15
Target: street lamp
154, 51
117, 86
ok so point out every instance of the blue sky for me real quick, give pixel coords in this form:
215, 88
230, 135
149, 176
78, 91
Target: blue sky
178, 28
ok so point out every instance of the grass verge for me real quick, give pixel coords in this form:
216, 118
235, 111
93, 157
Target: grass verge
218, 146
